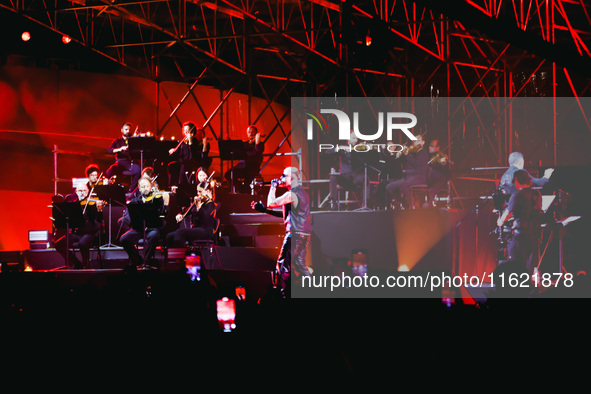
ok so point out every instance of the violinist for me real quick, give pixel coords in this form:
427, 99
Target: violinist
124, 222
123, 164
204, 222
92, 173
85, 236
203, 177
249, 168
147, 172
414, 160
191, 153
151, 232
438, 172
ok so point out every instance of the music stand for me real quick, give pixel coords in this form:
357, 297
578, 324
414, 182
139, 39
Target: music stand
67, 215
139, 146
111, 194
144, 216
232, 150
365, 160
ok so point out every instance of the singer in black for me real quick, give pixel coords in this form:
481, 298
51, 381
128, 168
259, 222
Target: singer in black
191, 153
152, 233
123, 164
296, 217
202, 213
415, 160
525, 206
85, 236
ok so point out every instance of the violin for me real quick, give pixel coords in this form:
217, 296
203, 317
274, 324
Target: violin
439, 158
154, 195
201, 200
92, 201
415, 148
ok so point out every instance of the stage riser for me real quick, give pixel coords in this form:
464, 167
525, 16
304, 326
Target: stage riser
231, 258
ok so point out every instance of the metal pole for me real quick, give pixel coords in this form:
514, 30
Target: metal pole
54, 169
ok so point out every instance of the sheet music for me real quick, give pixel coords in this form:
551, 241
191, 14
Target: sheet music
568, 220
546, 202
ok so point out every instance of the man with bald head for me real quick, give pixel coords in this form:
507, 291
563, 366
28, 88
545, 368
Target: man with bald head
516, 163
85, 235
295, 205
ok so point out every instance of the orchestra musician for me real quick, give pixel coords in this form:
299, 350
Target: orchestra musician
191, 154
525, 206
351, 171
124, 222
438, 171
204, 222
415, 160
123, 164
92, 173
249, 168
85, 236
147, 172
517, 162
295, 205
202, 176
152, 233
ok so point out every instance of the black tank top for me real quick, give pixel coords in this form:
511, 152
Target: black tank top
298, 219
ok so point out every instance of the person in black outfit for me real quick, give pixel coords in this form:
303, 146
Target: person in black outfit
85, 236
295, 205
204, 222
516, 162
525, 206
438, 170
249, 168
415, 172
192, 153
92, 173
124, 222
152, 232
351, 171
123, 164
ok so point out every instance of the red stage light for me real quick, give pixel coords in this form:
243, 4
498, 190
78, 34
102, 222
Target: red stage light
26, 36
66, 39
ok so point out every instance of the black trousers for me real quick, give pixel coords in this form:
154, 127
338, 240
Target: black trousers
522, 248
84, 241
125, 167
131, 238
352, 181
400, 188
182, 173
180, 237
294, 245
242, 170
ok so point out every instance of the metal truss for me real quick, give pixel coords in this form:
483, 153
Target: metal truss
278, 49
